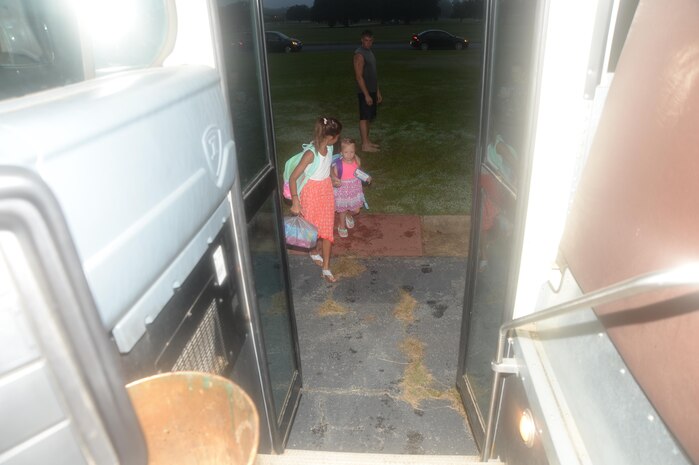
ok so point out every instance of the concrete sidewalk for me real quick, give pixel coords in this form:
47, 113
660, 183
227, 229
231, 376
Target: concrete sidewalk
379, 352
379, 348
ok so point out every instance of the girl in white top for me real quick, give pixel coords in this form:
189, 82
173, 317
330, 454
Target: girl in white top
317, 200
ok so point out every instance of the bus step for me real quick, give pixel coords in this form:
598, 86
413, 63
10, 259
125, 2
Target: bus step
310, 457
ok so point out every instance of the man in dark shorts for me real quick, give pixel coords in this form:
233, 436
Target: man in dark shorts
368, 92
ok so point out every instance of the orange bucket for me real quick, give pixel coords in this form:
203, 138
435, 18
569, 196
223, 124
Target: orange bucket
198, 418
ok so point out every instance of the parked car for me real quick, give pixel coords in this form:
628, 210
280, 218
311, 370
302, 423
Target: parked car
278, 42
436, 38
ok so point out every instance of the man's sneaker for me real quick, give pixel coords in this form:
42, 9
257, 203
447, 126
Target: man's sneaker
349, 221
342, 232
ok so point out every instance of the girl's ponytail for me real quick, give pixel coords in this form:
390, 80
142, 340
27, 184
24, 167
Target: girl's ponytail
325, 126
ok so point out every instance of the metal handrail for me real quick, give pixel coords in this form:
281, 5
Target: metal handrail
680, 276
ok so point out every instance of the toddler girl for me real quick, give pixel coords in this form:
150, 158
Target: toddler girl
349, 196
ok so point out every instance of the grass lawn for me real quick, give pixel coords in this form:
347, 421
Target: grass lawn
426, 124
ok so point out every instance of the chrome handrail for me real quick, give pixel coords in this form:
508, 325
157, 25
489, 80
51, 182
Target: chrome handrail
680, 276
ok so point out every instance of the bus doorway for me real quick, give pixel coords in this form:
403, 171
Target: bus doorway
131, 244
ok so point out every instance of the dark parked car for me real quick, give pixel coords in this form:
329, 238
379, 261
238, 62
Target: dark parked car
278, 42
435, 38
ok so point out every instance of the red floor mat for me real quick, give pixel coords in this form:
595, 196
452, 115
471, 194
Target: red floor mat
382, 235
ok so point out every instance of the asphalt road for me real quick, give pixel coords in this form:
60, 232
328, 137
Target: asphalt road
377, 46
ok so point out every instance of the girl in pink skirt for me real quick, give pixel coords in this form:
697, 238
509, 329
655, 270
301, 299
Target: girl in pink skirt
312, 191
349, 195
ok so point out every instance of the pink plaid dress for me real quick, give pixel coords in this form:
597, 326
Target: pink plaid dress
350, 195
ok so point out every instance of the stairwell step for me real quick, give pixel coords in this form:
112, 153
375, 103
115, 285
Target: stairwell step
309, 457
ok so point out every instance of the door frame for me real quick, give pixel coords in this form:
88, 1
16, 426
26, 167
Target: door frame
254, 195
475, 417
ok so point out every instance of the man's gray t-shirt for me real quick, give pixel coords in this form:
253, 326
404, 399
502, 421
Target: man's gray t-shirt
370, 78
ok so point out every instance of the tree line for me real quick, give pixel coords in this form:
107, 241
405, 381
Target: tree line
346, 12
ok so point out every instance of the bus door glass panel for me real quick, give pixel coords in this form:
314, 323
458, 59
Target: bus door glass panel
40, 44
239, 34
277, 324
250, 109
497, 198
39, 47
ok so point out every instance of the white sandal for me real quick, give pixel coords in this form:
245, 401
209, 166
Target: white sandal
328, 276
317, 259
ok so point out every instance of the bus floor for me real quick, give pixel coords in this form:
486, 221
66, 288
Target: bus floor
379, 352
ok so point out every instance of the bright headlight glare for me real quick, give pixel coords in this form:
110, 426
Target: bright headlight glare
107, 22
527, 428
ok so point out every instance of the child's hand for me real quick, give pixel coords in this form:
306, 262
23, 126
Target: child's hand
337, 183
295, 206
368, 180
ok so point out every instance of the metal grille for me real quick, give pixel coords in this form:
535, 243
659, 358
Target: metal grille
205, 351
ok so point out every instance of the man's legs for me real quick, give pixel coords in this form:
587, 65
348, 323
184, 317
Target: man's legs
366, 114
367, 145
